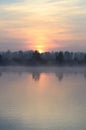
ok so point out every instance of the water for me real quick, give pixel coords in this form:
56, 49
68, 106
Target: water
42, 98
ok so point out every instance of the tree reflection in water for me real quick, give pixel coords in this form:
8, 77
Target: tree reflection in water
36, 76
59, 75
37, 72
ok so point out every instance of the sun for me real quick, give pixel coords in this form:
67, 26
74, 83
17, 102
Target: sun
40, 43
39, 40
40, 51
40, 48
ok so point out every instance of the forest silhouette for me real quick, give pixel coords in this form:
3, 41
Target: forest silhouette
34, 58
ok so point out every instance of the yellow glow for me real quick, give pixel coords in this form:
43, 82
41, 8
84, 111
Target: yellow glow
41, 25
39, 40
40, 48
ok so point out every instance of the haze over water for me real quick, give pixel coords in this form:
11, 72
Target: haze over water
44, 98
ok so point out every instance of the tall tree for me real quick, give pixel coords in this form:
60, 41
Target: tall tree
60, 58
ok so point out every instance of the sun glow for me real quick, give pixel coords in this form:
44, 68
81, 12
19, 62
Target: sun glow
40, 48
40, 40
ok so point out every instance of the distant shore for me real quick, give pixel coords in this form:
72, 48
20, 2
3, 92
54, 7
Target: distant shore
34, 58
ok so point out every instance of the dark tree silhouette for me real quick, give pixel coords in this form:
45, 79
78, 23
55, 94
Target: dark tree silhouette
0, 59
36, 57
85, 58
46, 58
60, 58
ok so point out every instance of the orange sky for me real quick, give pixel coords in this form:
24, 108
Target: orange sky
44, 25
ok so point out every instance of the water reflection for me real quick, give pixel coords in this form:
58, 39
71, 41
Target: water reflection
42, 98
36, 75
36, 72
0, 74
59, 75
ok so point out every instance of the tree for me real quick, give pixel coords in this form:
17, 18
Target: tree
60, 58
0, 59
85, 58
36, 57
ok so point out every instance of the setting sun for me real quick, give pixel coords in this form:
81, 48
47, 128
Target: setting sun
39, 40
40, 48
42, 64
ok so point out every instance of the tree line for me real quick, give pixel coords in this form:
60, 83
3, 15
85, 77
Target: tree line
33, 58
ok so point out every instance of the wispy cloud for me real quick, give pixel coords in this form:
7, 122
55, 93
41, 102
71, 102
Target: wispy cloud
81, 2
54, 1
42, 21
5, 2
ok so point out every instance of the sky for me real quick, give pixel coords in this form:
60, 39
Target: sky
43, 25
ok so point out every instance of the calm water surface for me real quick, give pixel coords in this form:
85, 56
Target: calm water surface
42, 98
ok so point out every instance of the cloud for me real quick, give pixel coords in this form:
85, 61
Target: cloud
81, 3
52, 1
5, 2
50, 19
70, 45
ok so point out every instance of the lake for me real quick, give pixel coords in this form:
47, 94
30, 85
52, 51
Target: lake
42, 98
